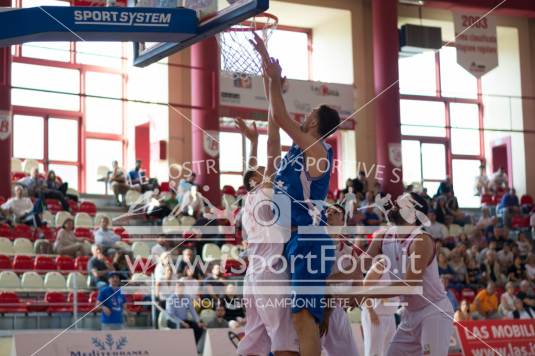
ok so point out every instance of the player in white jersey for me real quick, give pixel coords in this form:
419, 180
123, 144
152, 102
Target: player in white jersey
269, 326
427, 318
337, 335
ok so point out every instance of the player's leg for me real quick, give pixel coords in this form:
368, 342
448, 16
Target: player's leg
406, 340
308, 332
436, 334
388, 329
339, 339
373, 336
256, 341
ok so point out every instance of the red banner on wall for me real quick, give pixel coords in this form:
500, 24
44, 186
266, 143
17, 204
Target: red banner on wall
497, 337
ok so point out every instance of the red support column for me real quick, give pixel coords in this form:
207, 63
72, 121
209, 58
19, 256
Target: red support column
386, 76
6, 124
205, 121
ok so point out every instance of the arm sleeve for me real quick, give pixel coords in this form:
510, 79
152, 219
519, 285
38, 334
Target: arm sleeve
193, 311
170, 310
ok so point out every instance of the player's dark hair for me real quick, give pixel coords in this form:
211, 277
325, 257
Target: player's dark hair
339, 208
247, 179
422, 203
328, 122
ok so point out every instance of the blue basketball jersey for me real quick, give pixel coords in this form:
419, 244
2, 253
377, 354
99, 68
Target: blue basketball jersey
305, 192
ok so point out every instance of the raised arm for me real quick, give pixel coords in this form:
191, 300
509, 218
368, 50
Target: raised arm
250, 133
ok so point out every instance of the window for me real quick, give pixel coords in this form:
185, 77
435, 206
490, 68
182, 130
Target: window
417, 74
104, 115
455, 80
63, 140
104, 54
67, 173
230, 152
55, 51
464, 120
26, 130
103, 84
464, 174
422, 118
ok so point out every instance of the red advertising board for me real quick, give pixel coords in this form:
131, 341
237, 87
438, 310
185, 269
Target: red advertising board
497, 337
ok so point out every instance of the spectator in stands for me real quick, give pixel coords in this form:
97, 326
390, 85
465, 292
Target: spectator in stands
105, 237
165, 260
436, 229
192, 284
164, 285
499, 237
370, 217
54, 190
112, 302
185, 184
164, 207
54, 185
118, 183
67, 243
136, 177
159, 247
485, 220
445, 187
472, 274
490, 268
481, 185
181, 313
188, 259
499, 180
530, 268
191, 203
524, 245
509, 206
219, 321
444, 267
427, 197
214, 282
520, 312
463, 313
233, 304
485, 304
507, 299
458, 267
98, 268
526, 295
441, 210
349, 184
517, 271
121, 265
454, 230
505, 256
21, 209
451, 297
33, 184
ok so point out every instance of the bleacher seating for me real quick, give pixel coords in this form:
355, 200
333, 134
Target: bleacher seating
61, 216
23, 246
65, 263
80, 263
31, 280
29, 165
88, 207
22, 231
57, 303
53, 205
6, 246
76, 280
9, 280
5, 231
84, 220
44, 263
5, 262
140, 249
22, 263
211, 252
54, 280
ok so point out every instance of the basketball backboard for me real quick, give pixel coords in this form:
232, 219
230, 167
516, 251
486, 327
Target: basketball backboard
214, 16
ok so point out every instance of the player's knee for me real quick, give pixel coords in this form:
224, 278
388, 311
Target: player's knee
301, 319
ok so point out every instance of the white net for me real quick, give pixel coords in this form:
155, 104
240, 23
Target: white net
238, 56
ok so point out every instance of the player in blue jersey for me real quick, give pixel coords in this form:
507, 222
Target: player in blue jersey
304, 175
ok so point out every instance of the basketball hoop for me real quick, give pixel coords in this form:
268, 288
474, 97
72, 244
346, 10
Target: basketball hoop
237, 54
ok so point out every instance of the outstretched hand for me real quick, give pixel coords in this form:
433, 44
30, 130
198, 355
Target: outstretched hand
260, 46
250, 132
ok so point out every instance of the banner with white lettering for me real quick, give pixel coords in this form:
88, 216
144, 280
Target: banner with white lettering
119, 342
475, 40
497, 337
301, 96
5, 125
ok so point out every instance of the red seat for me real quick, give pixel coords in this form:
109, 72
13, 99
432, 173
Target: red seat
234, 268
48, 233
65, 263
84, 306
83, 233
22, 263
5, 231
93, 297
131, 299
526, 199
164, 186
88, 207
455, 293
487, 199
5, 262
468, 294
80, 263
22, 231
15, 176
57, 303
121, 232
10, 303
44, 263
73, 205
228, 190
53, 206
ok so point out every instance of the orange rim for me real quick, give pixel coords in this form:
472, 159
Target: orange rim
270, 22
